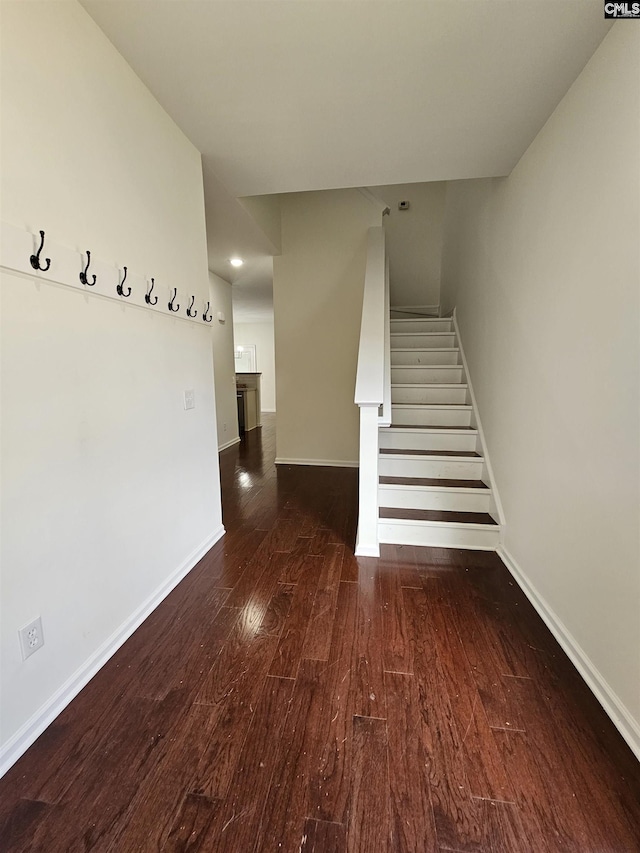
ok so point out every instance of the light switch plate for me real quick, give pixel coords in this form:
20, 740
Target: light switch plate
190, 399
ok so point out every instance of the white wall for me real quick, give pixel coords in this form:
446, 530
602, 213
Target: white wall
544, 269
261, 335
110, 489
414, 242
224, 362
317, 289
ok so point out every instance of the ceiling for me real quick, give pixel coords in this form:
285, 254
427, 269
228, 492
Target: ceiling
296, 95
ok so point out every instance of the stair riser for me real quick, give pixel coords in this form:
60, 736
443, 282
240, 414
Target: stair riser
451, 469
428, 395
435, 536
434, 417
450, 500
406, 357
426, 325
422, 341
427, 375
427, 440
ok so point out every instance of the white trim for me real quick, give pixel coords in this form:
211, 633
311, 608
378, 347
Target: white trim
620, 715
476, 410
367, 551
46, 714
379, 203
228, 444
327, 463
268, 411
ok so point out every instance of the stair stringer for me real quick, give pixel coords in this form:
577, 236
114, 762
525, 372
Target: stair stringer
496, 510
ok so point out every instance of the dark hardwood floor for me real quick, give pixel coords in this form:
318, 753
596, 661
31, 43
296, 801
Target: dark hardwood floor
288, 697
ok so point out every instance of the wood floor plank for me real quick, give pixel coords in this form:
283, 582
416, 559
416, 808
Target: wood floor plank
396, 644
319, 542
456, 816
191, 824
295, 566
294, 632
368, 829
484, 767
367, 667
403, 557
20, 829
288, 801
502, 827
238, 824
322, 617
329, 784
412, 826
350, 567
319, 836
227, 714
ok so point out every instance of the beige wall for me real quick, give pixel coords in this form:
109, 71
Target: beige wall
317, 291
223, 361
110, 488
543, 267
261, 335
414, 242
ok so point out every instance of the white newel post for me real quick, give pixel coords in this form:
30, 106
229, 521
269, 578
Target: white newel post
367, 538
370, 394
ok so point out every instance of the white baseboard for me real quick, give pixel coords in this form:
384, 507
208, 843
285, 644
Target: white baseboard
621, 717
367, 551
46, 714
268, 411
327, 463
229, 444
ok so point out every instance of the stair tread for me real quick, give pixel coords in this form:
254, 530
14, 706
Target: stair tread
433, 481
437, 515
395, 451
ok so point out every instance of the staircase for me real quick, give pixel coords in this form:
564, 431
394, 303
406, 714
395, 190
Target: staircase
434, 487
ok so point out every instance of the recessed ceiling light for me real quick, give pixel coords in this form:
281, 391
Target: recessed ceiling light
236, 262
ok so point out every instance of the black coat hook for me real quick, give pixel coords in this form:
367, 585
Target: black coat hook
191, 313
84, 278
35, 259
147, 296
204, 315
173, 299
120, 287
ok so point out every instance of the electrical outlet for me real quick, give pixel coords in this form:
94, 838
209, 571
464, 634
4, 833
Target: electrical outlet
31, 638
224, 427
190, 399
